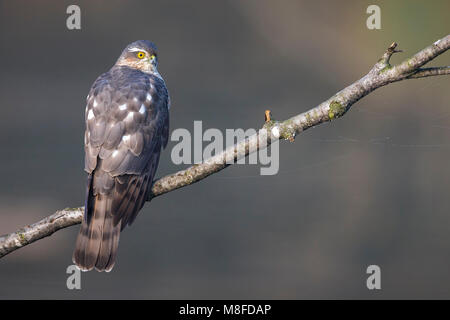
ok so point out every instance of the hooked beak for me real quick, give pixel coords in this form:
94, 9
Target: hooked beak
153, 60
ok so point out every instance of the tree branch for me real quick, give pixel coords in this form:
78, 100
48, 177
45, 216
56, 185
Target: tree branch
428, 72
381, 74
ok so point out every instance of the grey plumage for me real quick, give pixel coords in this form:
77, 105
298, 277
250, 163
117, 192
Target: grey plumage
127, 124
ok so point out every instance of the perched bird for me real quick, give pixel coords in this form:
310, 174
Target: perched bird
127, 125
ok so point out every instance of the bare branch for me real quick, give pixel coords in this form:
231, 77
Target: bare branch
44, 228
428, 72
381, 74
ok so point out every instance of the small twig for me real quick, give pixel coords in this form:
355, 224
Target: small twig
388, 54
428, 72
267, 116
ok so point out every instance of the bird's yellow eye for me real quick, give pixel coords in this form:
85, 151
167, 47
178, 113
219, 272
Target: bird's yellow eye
140, 55
152, 57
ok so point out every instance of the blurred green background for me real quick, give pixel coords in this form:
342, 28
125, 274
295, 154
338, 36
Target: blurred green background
370, 188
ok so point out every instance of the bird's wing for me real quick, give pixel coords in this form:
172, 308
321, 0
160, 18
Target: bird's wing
127, 123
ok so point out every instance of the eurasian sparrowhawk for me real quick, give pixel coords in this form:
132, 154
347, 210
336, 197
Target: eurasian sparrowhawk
127, 125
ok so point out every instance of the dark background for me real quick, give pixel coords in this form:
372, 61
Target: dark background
370, 188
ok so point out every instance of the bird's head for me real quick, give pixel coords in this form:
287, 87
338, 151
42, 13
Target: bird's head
140, 55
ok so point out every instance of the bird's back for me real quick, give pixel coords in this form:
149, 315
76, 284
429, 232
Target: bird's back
127, 124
